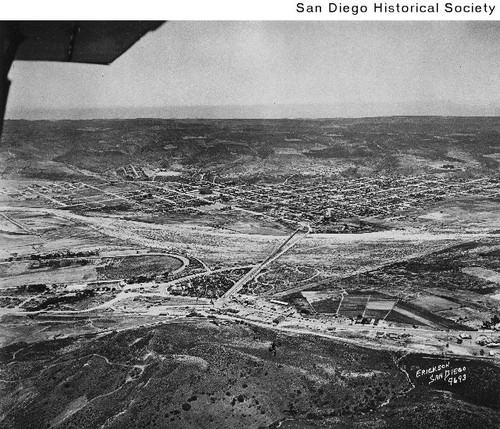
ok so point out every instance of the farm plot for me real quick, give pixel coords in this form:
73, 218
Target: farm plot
435, 303
371, 305
40, 222
71, 274
401, 315
314, 296
408, 313
327, 306
353, 306
378, 308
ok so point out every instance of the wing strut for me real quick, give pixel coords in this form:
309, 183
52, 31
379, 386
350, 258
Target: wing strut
10, 39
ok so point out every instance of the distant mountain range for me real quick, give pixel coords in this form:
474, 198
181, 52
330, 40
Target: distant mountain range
278, 111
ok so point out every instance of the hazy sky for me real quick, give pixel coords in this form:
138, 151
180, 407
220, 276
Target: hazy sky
248, 63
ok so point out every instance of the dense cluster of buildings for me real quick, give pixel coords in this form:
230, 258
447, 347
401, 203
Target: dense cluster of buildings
328, 204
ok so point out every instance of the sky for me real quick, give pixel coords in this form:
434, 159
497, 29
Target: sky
262, 68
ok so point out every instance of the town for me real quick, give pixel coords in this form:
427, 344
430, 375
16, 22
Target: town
328, 204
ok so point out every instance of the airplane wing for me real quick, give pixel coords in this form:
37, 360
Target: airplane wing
94, 42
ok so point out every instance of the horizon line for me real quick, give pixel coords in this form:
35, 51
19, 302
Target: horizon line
298, 118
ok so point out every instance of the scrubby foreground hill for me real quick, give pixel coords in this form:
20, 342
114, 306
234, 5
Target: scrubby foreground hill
224, 375
252, 147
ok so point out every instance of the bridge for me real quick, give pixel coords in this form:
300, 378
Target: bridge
297, 235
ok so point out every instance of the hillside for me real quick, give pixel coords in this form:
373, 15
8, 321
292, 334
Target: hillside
220, 375
232, 148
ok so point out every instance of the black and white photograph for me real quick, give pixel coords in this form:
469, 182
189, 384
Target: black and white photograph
229, 224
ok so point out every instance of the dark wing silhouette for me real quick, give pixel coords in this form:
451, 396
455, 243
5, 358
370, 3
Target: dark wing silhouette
94, 42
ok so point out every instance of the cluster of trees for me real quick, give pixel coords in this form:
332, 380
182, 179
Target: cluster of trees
489, 324
58, 263
66, 254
